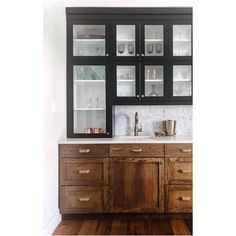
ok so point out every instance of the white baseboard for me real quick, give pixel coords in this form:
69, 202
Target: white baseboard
52, 223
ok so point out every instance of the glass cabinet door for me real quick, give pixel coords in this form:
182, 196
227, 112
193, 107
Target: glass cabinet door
154, 81
182, 40
125, 40
89, 40
89, 99
125, 81
182, 80
154, 40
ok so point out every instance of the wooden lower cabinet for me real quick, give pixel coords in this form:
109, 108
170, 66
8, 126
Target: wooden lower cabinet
125, 178
137, 184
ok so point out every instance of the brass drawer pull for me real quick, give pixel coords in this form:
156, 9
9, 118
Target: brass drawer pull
186, 150
137, 150
84, 150
184, 171
84, 171
84, 199
184, 198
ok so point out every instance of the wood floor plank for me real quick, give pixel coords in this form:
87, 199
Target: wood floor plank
158, 227
189, 223
88, 227
179, 227
135, 227
104, 227
68, 227
119, 227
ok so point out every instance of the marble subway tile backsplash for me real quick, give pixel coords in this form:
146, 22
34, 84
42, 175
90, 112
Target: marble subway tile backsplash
151, 118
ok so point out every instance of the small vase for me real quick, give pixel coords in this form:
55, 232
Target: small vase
153, 93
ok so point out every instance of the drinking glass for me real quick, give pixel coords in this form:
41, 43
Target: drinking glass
121, 48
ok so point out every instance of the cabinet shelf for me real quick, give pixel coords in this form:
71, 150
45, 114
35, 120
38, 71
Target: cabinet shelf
88, 40
153, 40
126, 80
153, 80
89, 109
89, 81
182, 40
125, 40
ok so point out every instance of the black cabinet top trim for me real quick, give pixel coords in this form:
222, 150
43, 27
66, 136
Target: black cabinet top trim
129, 10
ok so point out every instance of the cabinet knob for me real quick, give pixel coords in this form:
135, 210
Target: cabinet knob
184, 198
137, 150
142, 96
137, 54
186, 150
108, 133
137, 96
142, 55
84, 199
84, 171
185, 171
84, 150
107, 55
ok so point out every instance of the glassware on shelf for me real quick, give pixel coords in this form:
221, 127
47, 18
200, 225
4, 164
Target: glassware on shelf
153, 93
131, 48
150, 48
89, 103
154, 74
147, 77
158, 48
121, 48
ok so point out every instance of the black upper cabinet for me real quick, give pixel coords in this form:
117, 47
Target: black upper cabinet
125, 56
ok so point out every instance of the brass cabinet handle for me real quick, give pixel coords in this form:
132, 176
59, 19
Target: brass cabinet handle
84, 171
84, 199
184, 171
184, 198
137, 150
84, 150
186, 150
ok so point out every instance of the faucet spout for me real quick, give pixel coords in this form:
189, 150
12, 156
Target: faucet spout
136, 128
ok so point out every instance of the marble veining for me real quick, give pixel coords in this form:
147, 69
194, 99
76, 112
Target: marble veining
151, 118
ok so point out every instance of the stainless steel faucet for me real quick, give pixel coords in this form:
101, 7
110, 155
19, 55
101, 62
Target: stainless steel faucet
136, 128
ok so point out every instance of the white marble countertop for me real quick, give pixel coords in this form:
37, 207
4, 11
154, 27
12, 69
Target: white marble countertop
129, 139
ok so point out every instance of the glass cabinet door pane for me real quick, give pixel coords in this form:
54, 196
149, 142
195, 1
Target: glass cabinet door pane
154, 82
125, 40
182, 80
154, 40
89, 40
182, 40
89, 99
125, 76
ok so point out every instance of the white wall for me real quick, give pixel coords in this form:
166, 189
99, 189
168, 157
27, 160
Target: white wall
54, 104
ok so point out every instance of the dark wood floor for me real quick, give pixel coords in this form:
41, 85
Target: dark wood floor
125, 227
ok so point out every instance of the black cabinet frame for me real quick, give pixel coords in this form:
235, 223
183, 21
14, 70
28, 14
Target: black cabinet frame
110, 17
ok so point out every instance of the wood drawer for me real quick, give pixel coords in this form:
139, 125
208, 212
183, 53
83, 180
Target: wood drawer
137, 150
84, 171
179, 198
75, 199
83, 150
178, 150
179, 170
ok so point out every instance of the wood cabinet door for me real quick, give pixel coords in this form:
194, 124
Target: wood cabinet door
137, 185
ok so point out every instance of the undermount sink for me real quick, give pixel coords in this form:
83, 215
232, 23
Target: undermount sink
134, 137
